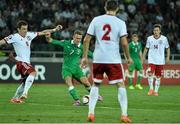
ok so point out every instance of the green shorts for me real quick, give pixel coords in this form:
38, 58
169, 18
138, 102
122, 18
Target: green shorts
75, 72
137, 65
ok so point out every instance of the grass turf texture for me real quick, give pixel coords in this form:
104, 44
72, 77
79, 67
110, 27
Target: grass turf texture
53, 104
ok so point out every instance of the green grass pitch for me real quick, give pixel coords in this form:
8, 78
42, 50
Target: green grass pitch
51, 103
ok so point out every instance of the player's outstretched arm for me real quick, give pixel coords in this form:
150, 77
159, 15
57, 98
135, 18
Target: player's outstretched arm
124, 44
45, 32
168, 55
54, 41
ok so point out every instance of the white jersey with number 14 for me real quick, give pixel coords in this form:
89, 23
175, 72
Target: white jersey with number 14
156, 54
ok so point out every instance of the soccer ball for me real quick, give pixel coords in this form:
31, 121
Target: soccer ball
85, 99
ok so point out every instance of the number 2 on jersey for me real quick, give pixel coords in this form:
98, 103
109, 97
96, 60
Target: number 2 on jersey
107, 29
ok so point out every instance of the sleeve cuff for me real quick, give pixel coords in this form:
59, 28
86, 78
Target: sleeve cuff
5, 40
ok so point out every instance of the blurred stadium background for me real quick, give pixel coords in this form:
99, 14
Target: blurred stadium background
139, 15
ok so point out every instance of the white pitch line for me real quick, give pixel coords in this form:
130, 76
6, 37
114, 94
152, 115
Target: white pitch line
101, 107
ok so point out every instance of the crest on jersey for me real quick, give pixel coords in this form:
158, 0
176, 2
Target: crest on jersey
29, 38
160, 42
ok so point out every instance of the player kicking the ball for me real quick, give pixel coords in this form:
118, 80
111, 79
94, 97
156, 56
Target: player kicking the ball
71, 66
21, 42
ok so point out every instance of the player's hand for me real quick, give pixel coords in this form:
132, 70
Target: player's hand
129, 61
11, 57
58, 28
48, 37
84, 62
48, 34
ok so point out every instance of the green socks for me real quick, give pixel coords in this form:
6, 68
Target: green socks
73, 93
130, 78
139, 78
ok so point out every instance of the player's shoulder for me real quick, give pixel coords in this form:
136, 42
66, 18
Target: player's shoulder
31, 33
150, 37
105, 16
163, 37
66, 41
130, 43
15, 35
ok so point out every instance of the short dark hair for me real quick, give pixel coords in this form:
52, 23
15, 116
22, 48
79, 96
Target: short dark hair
111, 5
20, 23
79, 32
157, 26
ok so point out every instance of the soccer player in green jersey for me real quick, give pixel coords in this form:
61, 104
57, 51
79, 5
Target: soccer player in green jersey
71, 65
135, 48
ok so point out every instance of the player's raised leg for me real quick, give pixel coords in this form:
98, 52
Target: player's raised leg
28, 83
86, 83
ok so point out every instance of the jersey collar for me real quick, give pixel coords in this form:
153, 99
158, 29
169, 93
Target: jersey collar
72, 42
135, 43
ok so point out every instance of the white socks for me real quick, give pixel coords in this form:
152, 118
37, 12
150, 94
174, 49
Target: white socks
150, 81
19, 91
94, 93
157, 84
28, 83
122, 98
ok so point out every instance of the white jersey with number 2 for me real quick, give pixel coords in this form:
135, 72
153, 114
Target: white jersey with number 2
21, 45
107, 30
156, 54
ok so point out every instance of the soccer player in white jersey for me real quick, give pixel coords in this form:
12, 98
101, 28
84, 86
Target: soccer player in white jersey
156, 44
109, 31
21, 42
